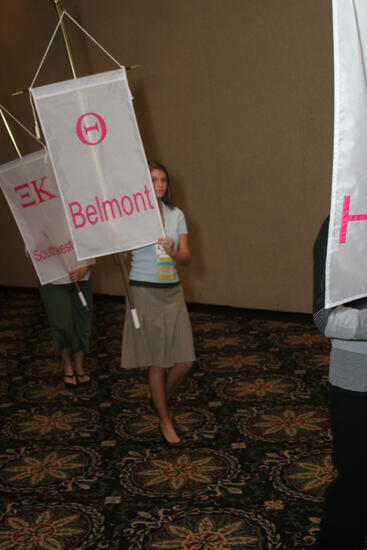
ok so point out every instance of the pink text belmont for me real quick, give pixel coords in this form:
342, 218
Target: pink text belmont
103, 210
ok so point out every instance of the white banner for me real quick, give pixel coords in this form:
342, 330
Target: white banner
30, 188
346, 266
95, 147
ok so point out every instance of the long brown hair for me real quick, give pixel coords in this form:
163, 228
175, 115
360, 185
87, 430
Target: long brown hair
167, 197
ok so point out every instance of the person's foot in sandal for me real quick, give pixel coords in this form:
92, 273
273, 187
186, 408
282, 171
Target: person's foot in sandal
83, 379
70, 381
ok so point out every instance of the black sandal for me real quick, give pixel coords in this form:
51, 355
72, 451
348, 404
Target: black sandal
78, 376
70, 377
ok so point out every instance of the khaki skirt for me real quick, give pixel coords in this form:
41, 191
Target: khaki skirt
165, 336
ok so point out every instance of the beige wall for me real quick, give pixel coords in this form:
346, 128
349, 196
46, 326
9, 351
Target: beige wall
235, 97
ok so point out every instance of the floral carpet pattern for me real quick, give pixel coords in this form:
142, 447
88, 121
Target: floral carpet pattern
87, 468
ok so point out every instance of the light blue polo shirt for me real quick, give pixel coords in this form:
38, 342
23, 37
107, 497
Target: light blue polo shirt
144, 262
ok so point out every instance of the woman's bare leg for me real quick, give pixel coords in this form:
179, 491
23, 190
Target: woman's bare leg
68, 368
176, 376
157, 379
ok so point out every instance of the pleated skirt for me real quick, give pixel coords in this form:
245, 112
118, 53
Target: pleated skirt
165, 337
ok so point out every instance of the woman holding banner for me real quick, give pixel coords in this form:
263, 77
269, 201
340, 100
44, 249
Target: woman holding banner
71, 322
164, 342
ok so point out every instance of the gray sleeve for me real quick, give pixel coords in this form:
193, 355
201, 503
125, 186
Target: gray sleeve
342, 322
320, 318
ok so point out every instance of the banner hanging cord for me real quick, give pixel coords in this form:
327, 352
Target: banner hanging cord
53, 37
93, 39
36, 126
2, 115
24, 127
47, 50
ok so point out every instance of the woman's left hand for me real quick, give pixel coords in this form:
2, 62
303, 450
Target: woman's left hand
78, 274
167, 243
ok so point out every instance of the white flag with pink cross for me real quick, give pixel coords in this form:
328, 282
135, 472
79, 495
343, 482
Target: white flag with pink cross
346, 265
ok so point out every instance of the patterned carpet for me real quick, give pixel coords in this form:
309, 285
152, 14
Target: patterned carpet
88, 469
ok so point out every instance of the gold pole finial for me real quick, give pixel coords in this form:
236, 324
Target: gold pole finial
19, 92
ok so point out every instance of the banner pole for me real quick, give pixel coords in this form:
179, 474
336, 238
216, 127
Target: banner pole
10, 133
71, 62
124, 275
65, 36
81, 296
129, 296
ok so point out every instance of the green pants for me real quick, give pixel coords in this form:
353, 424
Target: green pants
71, 324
